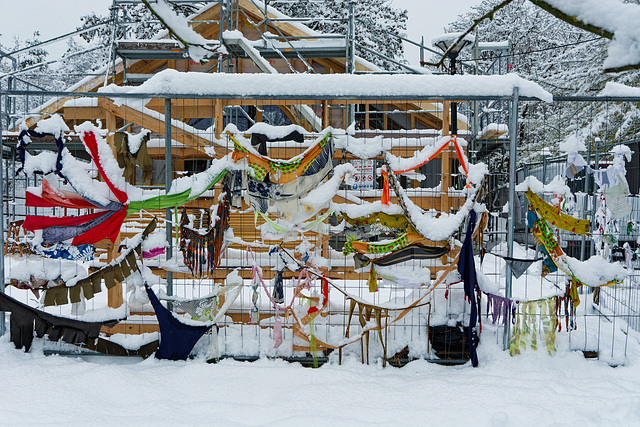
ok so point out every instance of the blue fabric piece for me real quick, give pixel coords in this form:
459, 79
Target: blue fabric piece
176, 338
531, 218
57, 233
23, 143
467, 270
81, 253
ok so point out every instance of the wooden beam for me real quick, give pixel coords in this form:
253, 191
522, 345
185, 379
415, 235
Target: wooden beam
154, 124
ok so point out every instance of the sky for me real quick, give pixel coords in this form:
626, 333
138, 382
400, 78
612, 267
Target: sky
426, 18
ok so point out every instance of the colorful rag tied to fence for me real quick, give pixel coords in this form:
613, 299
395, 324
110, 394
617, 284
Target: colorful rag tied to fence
556, 217
308, 163
364, 248
528, 317
108, 218
202, 253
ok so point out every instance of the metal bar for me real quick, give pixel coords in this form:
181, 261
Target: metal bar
237, 96
513, 137
168, 178
2, 325
55, 39
405, 66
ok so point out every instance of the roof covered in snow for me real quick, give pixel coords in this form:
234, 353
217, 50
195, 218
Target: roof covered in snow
341, 86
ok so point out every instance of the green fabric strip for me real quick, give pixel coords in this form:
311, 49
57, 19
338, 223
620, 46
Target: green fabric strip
170, 200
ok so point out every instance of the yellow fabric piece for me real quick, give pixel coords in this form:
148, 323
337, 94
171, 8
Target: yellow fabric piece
373, 280
556, 217
392, 221
528, 319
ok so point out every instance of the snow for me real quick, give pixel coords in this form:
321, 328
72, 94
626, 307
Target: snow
324, 193
505, 391
556, 186
618, 89
135, 140
180, 27
342, 85
618, 18
449, 38
54, 125
274, 132
572, 145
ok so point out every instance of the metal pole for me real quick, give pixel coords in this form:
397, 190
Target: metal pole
2, 325
513, 140
351, 60
168, 178
454, 106
585, 203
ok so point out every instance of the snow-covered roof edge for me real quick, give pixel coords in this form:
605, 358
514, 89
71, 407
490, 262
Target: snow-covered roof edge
317, 86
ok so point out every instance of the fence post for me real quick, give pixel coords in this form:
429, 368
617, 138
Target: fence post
2, 325
513, 140
168, 178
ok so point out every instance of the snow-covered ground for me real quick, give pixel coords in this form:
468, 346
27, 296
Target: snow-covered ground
532, 389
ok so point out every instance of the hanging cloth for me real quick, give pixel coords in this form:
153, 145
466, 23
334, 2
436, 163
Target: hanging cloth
127, 158
26, 320
408, 238
284, 171
202, 253
556, 217
411, 252
260, 140
176, 338
575, 164
467, 270
24, 140
518, 265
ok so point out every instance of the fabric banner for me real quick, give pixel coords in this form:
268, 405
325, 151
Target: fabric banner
616, 197
467, 270
284, 171
411, 252
26, 320
555, 217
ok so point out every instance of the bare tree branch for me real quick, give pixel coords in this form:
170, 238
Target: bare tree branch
572, 19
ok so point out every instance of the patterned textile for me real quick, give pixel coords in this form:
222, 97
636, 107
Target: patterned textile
411, 252
260, 195
556, 217
528, 316
202, 253
403, 241
284, 171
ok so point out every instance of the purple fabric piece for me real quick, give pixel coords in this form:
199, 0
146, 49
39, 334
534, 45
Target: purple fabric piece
57, 234
498, 307
153, 252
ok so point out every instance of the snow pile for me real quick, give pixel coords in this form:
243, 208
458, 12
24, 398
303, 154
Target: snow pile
556, 186
450, 38
618, 89
363, 148
614, 16
135, 140
321, 86
324, 193
572, 145
180, 27
274, 132
596, 271
54, 125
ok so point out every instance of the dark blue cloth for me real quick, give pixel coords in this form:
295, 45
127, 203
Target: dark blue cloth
24, 142
176, 338
82, 253
467, 270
